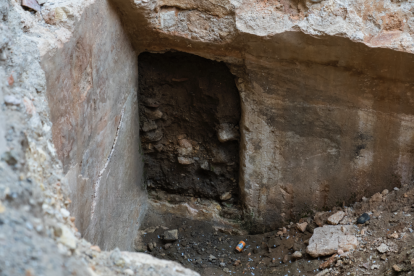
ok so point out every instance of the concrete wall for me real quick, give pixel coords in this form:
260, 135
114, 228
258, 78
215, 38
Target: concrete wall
92, 93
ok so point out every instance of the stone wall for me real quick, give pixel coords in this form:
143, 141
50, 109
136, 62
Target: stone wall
92, 82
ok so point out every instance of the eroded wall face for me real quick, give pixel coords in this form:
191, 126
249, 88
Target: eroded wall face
91, 87
323, 124
190, 112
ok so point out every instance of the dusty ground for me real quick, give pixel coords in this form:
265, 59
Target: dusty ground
391, 223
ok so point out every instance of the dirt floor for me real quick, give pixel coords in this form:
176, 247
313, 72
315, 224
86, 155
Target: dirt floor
203, 249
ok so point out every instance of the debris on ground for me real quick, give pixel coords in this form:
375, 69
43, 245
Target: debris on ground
370, 237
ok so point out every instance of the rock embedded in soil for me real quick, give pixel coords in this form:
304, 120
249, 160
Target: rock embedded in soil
153, 114
227, 132
302, 226
328, 263
171, 235
363, 218
148, 126
328, 239
225, 196
297, 255
376, 198
383, 248
336, 218
185, 160
320, 218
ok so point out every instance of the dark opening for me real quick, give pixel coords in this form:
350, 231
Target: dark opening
189, 117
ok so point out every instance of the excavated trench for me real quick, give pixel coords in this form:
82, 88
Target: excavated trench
220, 122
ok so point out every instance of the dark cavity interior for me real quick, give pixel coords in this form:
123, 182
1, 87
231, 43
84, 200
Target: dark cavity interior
189, 118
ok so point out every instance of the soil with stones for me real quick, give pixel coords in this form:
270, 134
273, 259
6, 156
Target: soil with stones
189, 116
385, 243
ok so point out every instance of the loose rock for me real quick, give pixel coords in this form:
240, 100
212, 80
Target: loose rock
336, 218
302, 226
363, 218
328, 239
382, 248
225, 196
171, 235
297, 255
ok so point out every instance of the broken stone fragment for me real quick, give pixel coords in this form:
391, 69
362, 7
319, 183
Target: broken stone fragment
397, 268
225, 196
297, 255
153, 114
302, 226
67, 237
184, 143
286, 259
227, 132
393, 236
211, 258
328, 239
382, 248
60, 15
171, 235
185, 160
185, 147
148, 126
336, 218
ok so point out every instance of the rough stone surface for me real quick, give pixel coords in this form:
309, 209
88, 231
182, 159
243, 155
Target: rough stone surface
336, 218
328, 239
171, 235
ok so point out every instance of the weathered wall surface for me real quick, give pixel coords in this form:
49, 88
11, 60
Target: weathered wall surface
91, 89
325, 128
326, 113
